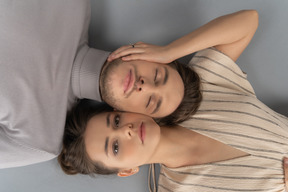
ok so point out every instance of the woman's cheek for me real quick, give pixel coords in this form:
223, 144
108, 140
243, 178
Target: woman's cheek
131, 150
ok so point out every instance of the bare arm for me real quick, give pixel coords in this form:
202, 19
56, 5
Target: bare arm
229, 33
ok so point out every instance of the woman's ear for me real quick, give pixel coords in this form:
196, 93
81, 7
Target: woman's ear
128, 172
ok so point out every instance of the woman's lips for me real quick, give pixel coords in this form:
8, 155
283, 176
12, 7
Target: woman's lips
128, 82
142, 132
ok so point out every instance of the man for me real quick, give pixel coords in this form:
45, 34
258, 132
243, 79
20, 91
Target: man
45, 65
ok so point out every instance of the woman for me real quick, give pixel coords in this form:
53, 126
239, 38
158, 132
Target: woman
102, 141
233, 134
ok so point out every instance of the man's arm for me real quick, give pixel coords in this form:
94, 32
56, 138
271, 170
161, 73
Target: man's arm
15, 154
229, 33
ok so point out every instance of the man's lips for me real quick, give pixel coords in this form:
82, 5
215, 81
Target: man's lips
142, 132
128, 82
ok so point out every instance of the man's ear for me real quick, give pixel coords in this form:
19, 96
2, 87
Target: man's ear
128, 172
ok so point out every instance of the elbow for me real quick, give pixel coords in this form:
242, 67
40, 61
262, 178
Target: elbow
254, 17
251, 18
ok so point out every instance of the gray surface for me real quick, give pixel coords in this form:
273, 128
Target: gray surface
115, 23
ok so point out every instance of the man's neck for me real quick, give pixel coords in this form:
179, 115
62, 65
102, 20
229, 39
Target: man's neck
86, 71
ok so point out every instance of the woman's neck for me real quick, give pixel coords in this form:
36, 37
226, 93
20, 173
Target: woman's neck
180, 147
176, 147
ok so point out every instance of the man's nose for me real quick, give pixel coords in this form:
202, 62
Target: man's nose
142, 85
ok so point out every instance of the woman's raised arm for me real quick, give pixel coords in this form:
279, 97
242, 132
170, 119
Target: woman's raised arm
229, 33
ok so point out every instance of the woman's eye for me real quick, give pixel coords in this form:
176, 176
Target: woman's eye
117, 120
115, 147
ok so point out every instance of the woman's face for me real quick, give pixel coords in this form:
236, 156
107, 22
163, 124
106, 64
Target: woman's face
121, 140
142, 87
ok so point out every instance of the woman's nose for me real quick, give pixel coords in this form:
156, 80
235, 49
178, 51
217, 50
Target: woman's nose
129, 130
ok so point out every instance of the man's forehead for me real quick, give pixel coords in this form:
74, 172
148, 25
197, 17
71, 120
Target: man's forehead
108, 66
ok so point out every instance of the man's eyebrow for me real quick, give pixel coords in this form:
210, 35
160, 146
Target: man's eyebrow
106, 145
165, 76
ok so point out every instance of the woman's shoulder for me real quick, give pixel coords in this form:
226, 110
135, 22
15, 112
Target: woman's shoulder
216, 68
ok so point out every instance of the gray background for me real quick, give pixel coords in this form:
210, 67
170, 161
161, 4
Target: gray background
118, 22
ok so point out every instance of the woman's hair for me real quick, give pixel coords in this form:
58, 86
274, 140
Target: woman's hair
73, 157
191, 99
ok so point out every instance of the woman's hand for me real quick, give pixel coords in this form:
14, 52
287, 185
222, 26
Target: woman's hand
229, 33
143, 51
285, 167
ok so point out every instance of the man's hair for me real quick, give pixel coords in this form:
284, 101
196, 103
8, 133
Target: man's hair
191, 99
73, 157
105, 92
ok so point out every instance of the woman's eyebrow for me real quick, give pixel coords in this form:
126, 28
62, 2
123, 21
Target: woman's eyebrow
107, 138
106, 145
108, 120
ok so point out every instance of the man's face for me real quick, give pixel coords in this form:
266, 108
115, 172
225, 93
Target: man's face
143, 87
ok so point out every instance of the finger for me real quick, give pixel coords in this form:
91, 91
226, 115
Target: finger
121, 49
136, 56
140, 43
127, 49
114, 54
126, 52
285, 166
